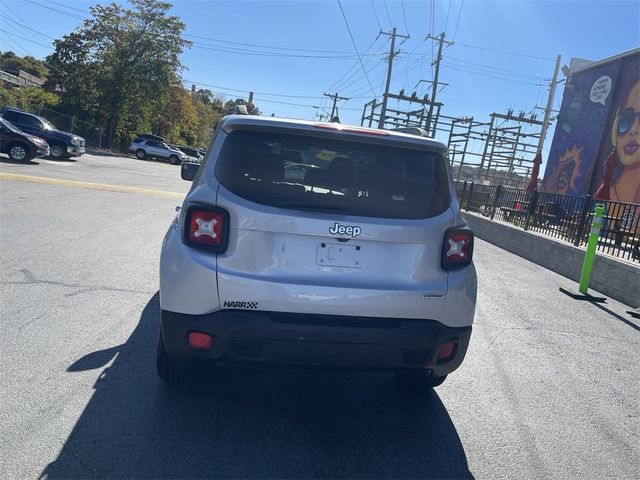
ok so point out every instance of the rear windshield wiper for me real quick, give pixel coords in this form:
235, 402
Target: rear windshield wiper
309, 206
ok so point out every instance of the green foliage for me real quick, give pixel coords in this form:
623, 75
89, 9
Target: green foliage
12, 63
27, 97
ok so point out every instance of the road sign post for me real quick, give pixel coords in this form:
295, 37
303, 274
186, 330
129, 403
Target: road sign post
589, 257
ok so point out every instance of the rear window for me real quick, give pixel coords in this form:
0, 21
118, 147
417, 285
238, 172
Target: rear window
329, 174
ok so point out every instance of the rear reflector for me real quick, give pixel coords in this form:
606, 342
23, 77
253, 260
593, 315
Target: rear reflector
457, 248
446, 351
200, 341
206, 227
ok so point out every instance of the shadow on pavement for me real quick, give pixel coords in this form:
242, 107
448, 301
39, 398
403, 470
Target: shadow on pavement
252, 424
615, 315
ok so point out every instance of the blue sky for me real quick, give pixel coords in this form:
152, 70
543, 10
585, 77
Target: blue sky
482, 79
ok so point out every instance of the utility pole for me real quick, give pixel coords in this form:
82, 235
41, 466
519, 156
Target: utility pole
550, 99
335, 97
436, 64
392, 54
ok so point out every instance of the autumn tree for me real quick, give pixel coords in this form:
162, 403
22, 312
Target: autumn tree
121, 66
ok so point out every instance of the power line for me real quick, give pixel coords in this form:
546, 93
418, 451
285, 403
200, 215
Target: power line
68, 14
494, 69
505, 52
262, 46
298, 104
458, 21
404, 17
350, 84
355, 47
448, 12
268, 94
484, 74
67, 6
384, 2
13, 34
241, 51
23, 25
348, 74
375, 12
16, 45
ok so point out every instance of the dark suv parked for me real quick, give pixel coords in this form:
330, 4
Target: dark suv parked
18, 145
61, 144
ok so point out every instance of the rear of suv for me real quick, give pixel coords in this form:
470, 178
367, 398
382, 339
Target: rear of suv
62, 145
363, 263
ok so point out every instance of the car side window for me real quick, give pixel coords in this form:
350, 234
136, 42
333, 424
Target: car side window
151, 143
30, 121
11, 116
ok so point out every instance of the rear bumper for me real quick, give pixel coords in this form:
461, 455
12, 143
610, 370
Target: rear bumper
293, 341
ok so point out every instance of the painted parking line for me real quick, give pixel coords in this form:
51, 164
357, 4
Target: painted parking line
88, 185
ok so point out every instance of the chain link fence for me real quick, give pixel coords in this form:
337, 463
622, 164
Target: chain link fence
91, 133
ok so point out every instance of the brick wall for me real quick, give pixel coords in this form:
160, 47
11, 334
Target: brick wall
614, 278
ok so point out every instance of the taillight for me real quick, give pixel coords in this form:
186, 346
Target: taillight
457, 248
207, 228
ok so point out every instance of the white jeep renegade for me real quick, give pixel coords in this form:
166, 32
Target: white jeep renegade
356, 259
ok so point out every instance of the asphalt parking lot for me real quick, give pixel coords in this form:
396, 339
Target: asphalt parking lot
549, 388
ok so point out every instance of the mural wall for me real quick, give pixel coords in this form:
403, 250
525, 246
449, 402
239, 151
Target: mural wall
599, 112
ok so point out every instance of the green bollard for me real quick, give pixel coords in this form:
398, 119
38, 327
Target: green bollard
592, 244
587, 266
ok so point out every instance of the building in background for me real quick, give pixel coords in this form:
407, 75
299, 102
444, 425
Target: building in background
596, 146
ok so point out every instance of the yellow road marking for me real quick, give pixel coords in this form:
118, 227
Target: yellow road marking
88, 185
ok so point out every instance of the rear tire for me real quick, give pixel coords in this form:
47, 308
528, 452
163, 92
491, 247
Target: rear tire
18, 152
171, 371
141, 154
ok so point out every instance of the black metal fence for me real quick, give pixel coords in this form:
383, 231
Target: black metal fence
564, 217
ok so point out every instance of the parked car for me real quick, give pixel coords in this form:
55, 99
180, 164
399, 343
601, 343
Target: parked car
365, 263
61, 144
157, 149
20, 146
141, 138
192, 152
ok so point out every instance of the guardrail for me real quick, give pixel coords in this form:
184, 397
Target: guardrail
7, 77
563, 217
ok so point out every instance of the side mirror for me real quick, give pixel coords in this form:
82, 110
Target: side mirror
188, 170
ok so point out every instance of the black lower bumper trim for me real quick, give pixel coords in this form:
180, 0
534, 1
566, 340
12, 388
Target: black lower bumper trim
324, 342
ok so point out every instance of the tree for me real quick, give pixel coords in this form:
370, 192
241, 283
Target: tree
120, 66
12, 63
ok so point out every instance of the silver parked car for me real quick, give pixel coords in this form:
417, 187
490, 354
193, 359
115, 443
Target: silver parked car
146, 148
363, 263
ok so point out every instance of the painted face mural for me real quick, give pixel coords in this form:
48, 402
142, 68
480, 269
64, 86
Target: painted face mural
566, 171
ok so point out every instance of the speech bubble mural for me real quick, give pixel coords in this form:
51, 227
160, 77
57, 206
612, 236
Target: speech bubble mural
601, 89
